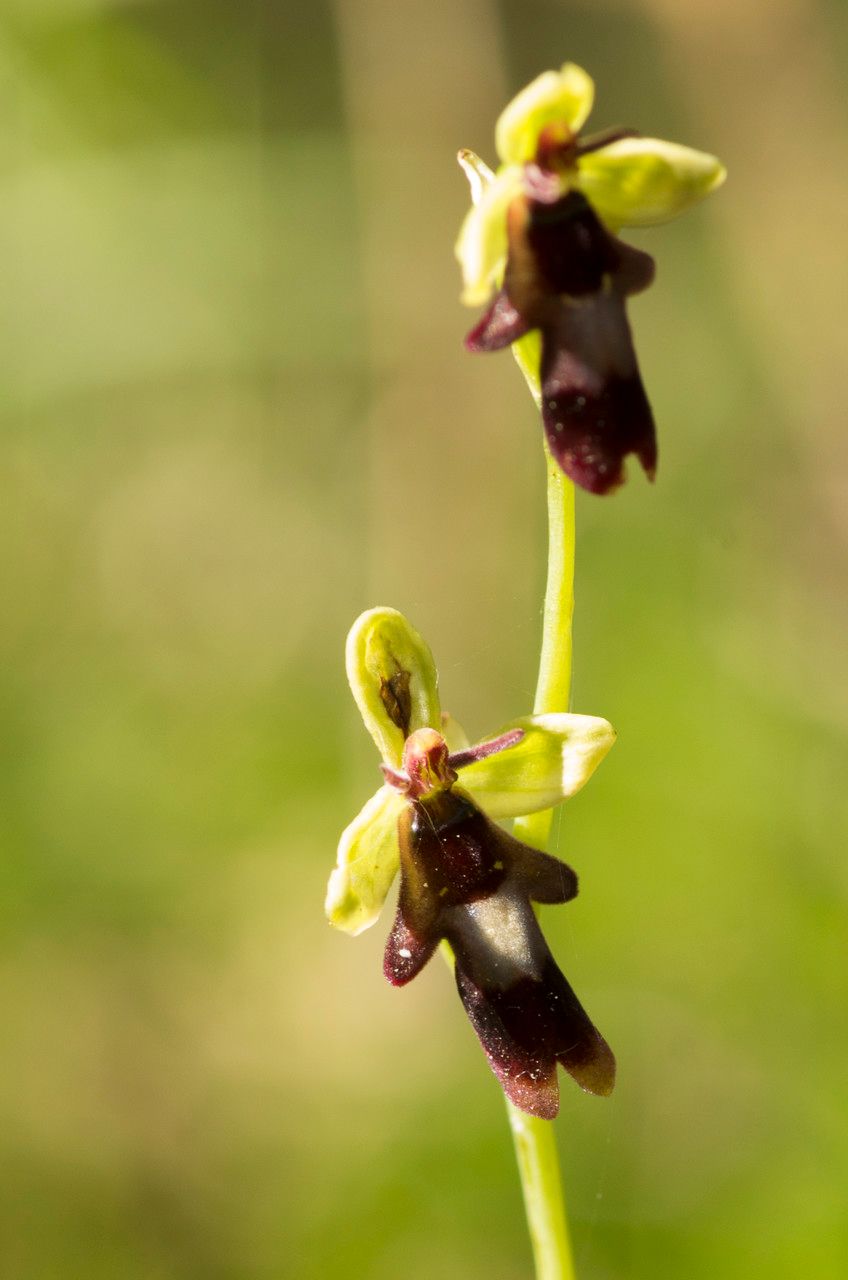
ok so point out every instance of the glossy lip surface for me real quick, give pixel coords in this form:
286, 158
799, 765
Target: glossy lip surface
569, 277
465, 880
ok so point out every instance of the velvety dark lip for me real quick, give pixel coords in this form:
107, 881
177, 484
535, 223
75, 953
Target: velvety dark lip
465, 880
569, 277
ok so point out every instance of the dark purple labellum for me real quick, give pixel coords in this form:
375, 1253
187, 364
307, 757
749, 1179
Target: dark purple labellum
466, 880
567, 276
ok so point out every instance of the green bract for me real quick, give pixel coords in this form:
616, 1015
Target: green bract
394, 682
631, 182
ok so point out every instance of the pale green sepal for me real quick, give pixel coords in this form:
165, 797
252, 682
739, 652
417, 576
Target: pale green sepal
558, 753
383, 647
366, 864
555, 97
453, 733
637, 182
481, 246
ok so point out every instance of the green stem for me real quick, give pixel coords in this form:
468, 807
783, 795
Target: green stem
553, 687
544, 1204
534, 1139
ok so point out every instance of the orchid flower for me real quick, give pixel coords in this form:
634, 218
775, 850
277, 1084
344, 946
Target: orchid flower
463, 879
540, 237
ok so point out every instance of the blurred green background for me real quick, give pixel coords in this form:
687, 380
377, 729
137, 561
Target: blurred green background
235, 412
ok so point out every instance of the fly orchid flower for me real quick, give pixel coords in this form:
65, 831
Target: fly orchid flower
463, 879
540, 237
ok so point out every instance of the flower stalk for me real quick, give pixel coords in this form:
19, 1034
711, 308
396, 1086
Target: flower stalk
534, 1139
553, 685
544, 1203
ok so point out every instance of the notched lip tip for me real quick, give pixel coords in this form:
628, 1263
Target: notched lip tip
599, 1074
603, 1086
541, 1108
540, 1113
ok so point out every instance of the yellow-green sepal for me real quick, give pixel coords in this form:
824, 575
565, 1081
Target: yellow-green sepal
561, 97
481, 246
393, 679
638, 182
556, 755
366, 864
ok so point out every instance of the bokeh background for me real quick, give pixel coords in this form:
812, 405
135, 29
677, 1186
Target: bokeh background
235, 412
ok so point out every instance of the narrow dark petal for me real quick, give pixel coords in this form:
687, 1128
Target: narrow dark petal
500, 326
603, 139
482, 750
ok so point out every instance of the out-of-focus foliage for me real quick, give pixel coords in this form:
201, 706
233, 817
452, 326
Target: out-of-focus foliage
232, 382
